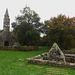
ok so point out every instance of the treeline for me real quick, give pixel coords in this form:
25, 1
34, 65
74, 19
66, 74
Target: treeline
27, 29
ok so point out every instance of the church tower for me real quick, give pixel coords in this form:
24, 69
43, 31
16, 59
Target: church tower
6, 37
6, 21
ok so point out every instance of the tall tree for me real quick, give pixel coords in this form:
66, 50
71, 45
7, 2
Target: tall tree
26, 34
61, 30
27, 27
29, 16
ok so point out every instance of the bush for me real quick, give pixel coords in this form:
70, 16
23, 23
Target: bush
20, 48
36, 47
1, 47
6, 48
25, 48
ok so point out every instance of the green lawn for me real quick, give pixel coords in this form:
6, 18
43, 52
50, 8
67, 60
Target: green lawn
10, 65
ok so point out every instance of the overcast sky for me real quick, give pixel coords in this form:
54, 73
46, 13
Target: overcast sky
45, 8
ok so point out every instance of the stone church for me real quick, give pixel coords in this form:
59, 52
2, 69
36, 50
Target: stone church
6, 37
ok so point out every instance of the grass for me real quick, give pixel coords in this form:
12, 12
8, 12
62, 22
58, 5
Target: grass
73, 49
10, 65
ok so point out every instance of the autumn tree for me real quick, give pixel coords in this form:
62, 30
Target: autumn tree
61, 30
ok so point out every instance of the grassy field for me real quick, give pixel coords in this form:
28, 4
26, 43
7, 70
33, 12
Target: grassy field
10, 65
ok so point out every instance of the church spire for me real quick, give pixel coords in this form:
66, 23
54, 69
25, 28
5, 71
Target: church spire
6, 13
6, 22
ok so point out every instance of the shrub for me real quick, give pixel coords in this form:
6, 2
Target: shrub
36, 47
1, 47
20, 48
25, 48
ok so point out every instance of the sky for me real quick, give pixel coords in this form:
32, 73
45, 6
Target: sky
45, 8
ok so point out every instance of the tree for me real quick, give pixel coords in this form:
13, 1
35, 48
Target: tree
61, 30
29, 16
27, 27
26, 34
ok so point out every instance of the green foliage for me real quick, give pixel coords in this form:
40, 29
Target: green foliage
44, 48
26, 34
1, 47
29, 16
6, 48
20, 48
31, 48
73, 49
27, 27
62, 31
25, 48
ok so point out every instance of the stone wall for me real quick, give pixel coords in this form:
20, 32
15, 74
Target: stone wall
55, 57
51, 63
68, 52
70, 58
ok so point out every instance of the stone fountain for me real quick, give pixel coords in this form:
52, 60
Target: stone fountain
55, 57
